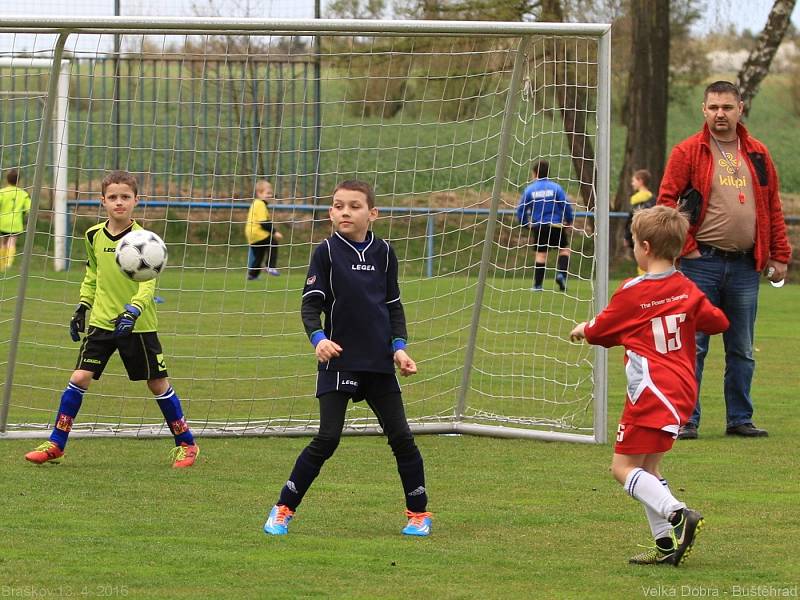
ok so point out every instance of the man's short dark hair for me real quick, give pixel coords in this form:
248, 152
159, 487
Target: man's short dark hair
722, 87
354, 185
541, 168
12, 176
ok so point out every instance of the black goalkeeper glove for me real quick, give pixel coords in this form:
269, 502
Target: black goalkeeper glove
126, 320
77, 324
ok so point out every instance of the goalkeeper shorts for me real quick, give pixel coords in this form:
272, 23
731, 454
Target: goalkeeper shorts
141, 354
549, 236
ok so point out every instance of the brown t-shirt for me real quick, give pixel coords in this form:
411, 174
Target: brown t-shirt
730, 220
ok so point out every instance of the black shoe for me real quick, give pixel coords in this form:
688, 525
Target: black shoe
688, 431
746, 430
685, 535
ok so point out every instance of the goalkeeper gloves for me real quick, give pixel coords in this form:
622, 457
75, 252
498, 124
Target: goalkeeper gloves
126, 320
77, 324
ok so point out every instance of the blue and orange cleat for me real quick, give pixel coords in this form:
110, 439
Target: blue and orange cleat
47, 452
184, 455
278, 520
419, 523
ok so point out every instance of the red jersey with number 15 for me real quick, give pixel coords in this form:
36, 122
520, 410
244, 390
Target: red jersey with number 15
655, 317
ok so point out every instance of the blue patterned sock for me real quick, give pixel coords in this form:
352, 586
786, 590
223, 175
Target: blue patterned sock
71, 400
170, 406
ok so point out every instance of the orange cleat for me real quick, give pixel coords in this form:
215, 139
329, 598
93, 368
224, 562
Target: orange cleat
47, 452
184, 455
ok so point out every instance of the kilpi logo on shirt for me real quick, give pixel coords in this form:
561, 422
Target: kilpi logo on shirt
363, 267
311, 280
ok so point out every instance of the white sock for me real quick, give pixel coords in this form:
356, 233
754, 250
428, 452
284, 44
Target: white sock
659, 526
647, 489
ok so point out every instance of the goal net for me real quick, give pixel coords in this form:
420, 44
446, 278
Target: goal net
444, 119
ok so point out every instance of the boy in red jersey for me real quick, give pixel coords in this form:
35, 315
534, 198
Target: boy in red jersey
655, 316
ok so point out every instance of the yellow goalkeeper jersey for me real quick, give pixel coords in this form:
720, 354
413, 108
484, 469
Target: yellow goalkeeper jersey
107, 290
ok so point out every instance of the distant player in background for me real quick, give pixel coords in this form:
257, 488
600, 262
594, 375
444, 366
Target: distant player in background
261, 233
655, 317
352, 279
545, 209
15, 203
642, 198
106, 291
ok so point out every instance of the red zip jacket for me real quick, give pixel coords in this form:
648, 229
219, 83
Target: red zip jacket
691, 164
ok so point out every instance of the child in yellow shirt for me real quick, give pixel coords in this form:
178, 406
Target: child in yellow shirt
261, 234
15, 203
642, 198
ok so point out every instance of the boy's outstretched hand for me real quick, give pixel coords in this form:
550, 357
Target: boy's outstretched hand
404, 363
326, 350
578, 334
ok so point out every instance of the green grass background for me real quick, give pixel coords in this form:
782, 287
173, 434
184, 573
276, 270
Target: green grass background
513, 518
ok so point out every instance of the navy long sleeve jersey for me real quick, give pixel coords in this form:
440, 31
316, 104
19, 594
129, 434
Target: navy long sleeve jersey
358, 293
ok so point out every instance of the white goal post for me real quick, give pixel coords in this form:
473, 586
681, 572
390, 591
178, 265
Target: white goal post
444, 119
60, 141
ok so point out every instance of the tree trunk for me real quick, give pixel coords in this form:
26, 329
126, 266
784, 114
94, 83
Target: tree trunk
573, 102
646, 142
756, 67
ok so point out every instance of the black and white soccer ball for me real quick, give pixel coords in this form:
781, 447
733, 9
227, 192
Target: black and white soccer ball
141, 255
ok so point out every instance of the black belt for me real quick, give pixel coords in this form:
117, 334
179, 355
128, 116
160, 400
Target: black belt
707, 250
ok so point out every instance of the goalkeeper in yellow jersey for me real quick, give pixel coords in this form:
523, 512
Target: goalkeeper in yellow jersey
261, 234
123, 317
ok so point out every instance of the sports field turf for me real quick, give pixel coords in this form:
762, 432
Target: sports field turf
513, 519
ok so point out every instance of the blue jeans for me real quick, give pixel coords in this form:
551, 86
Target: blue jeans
732, 285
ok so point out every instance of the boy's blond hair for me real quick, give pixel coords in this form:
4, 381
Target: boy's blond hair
261, 184
355, 185
120, 177
664, 227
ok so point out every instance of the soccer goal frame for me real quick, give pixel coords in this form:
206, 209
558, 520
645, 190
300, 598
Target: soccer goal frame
57, 123
55, 118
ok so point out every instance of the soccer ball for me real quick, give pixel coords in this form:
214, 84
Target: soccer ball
141, 255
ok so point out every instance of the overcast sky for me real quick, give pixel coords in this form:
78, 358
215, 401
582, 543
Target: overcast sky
751, 14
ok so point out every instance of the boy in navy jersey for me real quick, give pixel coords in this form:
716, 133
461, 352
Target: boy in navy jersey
352, 279
118, 306
655, 316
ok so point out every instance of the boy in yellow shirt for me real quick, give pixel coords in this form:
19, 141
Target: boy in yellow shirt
15, 203
261, 234
642, 198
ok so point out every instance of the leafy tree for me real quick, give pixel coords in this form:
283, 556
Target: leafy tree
756, 67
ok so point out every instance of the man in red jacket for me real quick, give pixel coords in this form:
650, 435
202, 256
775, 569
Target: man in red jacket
737, 231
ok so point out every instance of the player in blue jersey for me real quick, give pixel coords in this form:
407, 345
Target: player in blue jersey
545, 209
123, 317
352, 279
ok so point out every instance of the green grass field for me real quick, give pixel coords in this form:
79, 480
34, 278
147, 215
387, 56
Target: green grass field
236, 351
513, 519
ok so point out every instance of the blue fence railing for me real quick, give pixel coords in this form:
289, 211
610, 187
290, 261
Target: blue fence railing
391, 210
